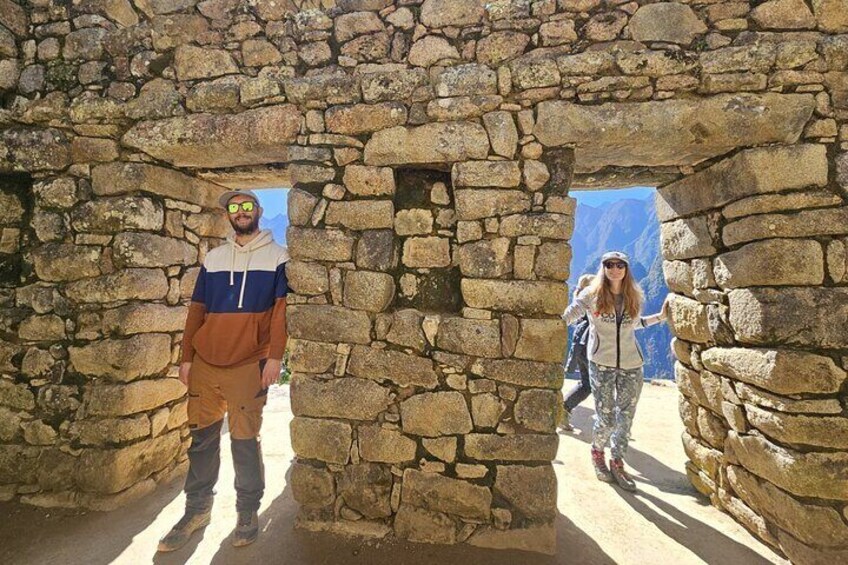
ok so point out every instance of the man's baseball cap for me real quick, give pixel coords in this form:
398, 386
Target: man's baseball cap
615, 255
225, 198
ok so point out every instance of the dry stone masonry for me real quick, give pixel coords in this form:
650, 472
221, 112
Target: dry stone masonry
431, 145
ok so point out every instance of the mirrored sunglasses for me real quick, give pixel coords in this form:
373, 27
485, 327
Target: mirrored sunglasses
247, 206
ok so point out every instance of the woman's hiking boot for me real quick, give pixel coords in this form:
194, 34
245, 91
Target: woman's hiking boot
602, 472
621, 476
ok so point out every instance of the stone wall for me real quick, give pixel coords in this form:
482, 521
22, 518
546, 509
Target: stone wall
431, 146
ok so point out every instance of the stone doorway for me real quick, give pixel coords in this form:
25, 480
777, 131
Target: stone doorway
131, 121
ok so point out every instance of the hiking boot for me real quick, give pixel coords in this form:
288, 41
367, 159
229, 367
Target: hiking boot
565, 420
191, 521
247, 529
620, 475
602, 472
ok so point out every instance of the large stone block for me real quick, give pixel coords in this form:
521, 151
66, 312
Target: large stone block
501, 174
192, 62
480, 338
443, 142
151, 250
521, 373
393, 366
311, 356
426, 252
253, 137
525, 297
433, 414
553, 260
127, 284
375, 250
36, 149
637, 134
823, 431
488, 258
529, 490
361, 214
66, 262
117, 214
367, 488
537, 410
110, 430
364, 118
545, 225
423, 526
754, 171
122, 178
443, 494
407, 329
814, 474
392, 85
806, 316
669, 22
335, 324
367, 290
466, 80
475, 204
486, 410
333, 88
345, 398
688, 319
307, 277
144, 318
771, 262
383, 445
686, 238
457, 13
503, 135
139, 396
781, 371
806, 223
324, 440
542, 340
516, 447
312, 487
369, 181
319, 245
113, 470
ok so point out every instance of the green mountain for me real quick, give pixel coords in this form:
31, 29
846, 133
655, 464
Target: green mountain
630, 226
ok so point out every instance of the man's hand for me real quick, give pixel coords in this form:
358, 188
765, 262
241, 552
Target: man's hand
185, 369
271, 372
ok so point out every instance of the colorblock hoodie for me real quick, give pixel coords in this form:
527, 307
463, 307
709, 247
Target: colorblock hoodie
612, 339
237, 311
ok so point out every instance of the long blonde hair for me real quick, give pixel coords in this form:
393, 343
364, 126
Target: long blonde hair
601, 290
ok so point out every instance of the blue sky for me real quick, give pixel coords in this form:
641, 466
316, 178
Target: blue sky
273, 200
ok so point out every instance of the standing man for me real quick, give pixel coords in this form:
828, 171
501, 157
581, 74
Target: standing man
233, 346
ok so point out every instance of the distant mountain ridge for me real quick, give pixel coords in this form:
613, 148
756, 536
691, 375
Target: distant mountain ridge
631, 226
277, 225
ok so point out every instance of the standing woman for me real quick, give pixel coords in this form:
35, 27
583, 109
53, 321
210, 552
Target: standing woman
613, 305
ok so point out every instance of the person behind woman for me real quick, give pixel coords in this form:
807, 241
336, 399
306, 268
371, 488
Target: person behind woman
577, 360
613, 304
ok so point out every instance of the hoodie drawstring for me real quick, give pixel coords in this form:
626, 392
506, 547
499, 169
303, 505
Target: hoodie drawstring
232, 264
244, 281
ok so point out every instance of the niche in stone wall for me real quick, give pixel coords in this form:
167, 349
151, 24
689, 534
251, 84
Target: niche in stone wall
425, 224
15, 212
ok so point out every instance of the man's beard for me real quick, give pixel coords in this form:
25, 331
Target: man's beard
246, 230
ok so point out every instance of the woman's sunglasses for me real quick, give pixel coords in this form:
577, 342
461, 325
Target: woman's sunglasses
246, 206
615, 265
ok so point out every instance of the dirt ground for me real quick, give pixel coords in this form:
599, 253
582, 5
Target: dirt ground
665, 522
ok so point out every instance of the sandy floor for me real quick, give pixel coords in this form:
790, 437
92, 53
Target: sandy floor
666, 522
